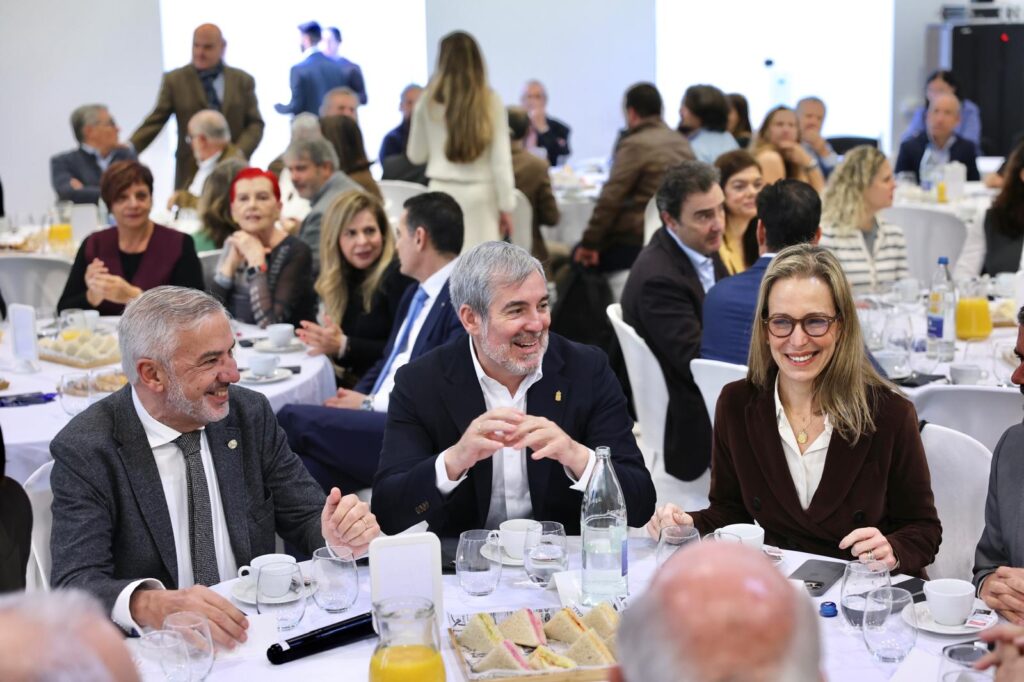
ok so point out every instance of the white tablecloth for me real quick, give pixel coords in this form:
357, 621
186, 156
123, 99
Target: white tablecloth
27, 431
844, 656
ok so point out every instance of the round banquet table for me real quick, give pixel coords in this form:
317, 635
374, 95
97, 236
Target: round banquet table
844, 655
27, 431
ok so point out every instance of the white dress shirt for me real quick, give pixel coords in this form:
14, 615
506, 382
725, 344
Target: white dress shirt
510, 487
103, 161
205, 168
704, 266
432, 286
806, 468
170, 462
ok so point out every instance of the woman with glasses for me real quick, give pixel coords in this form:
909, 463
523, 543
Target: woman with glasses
814, 445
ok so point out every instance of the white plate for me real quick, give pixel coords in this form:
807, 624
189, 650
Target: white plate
280, 374
927, 623
245, 592
506, 560
265, 346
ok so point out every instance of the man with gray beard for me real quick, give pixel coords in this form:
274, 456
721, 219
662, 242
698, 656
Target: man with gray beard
503, 425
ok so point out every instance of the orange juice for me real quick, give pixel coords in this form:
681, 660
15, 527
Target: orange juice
973, 320
60, 233
407, 663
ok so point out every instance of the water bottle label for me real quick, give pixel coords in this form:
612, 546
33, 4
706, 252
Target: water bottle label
934, 326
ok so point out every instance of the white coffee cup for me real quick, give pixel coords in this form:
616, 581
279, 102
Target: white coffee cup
274, 585
950, 601
966, 373
281, 335
92, 318
513, 536
749, 534
264, 365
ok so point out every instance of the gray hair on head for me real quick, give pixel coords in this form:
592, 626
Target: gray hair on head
151, 324
305, 126
212, 125
337, 92
85, 115
483, 269
316, 150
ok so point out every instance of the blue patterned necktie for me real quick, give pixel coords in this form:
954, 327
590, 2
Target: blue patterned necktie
200, 515
400, 343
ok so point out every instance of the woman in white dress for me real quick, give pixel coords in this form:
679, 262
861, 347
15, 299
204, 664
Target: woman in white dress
460, 131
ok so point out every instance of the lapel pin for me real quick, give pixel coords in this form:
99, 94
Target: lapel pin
558, 396
232, 444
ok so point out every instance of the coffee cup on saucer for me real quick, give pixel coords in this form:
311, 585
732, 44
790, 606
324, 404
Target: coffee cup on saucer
950, 601
965, 373
273, 585
263, 366
281, 335
513, 536
749, 534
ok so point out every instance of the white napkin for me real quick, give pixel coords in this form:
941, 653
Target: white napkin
918, 665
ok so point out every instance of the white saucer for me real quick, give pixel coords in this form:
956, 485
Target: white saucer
245, 592
927, 623
506, 560
280, 374
265, 346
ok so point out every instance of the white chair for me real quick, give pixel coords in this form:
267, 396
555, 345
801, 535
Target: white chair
929, 234
959, 467
711, 376
652, 220
209, 260
34, 280
41, 497
395, 193
981, 412
522, 222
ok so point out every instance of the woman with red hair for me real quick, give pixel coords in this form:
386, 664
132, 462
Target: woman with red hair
264, 274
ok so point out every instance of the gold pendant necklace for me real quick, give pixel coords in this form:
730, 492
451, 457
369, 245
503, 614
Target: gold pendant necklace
801, 436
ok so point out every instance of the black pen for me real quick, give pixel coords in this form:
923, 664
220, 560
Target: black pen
322, 639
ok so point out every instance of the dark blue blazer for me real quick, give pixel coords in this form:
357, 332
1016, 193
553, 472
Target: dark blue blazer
353, 77
729, 310
436, 397
84, 167
441, 326
310, 80
912, 151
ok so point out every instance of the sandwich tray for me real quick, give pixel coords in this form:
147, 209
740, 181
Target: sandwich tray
76, 363
467, 658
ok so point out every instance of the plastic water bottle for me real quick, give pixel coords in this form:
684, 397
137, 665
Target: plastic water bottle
941, 314
603, 526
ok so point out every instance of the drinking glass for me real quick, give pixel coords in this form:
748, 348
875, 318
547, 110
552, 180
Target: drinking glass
723, 536
859, 579
163, 655
898, 344
672, 539
478, 561
72, 323
103, 382
1004, 361
194, 629
75, 391
544, 552
336, 578
957, 663
281, 591
889, 634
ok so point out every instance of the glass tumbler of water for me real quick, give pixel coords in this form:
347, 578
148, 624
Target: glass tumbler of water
859, 579
195, 630
163, 655
478, 561
958, 663
336, 578
281, 592
674, 538
545, 552
889, 634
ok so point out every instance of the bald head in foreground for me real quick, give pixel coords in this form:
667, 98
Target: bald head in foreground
719, 611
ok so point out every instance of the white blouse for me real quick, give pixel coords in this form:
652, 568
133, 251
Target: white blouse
805, 469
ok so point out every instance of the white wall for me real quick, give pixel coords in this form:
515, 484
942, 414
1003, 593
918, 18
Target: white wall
909, 68
586, 53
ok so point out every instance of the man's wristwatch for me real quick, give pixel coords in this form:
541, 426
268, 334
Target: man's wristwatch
368, 403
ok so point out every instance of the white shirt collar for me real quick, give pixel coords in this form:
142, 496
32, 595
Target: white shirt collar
96, 152
780, 412
433, 284
704, 266
528, 381
157, 433
310, 50
209, 163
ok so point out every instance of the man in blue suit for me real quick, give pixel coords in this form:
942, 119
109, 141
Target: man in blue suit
925, 154
314, 76
503, 425
788, 213
340, 442
75, 175
354, 74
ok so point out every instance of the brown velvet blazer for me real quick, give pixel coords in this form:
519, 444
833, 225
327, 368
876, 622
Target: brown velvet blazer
881, 481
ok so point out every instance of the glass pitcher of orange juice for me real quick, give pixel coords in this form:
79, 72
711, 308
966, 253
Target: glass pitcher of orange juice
409, 647
973, 319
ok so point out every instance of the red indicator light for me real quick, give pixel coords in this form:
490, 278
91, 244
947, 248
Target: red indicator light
1004, 37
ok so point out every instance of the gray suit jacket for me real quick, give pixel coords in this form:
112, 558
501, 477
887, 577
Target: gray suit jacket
1002, 542
82, 166
110, 519
309, 232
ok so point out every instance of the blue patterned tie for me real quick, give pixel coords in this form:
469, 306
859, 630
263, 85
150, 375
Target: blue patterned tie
200, 515
414, 311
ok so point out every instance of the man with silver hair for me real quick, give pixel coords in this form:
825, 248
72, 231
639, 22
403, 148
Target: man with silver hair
60, 635
340, 101
504, 425
718, 611
170, 484
210, 137
75, 175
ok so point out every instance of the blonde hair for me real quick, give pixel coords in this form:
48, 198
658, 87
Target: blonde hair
844, 207
843, 388
460, 84
332, 284
761, 142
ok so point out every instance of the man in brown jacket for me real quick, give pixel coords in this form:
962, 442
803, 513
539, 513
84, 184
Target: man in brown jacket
615, 235
206, 83
532, 179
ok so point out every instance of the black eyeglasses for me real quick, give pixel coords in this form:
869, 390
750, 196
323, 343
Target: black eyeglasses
781, 326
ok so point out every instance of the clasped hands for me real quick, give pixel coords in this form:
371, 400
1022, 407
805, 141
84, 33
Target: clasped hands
242, 247
506, 427
866, 544
103, 286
